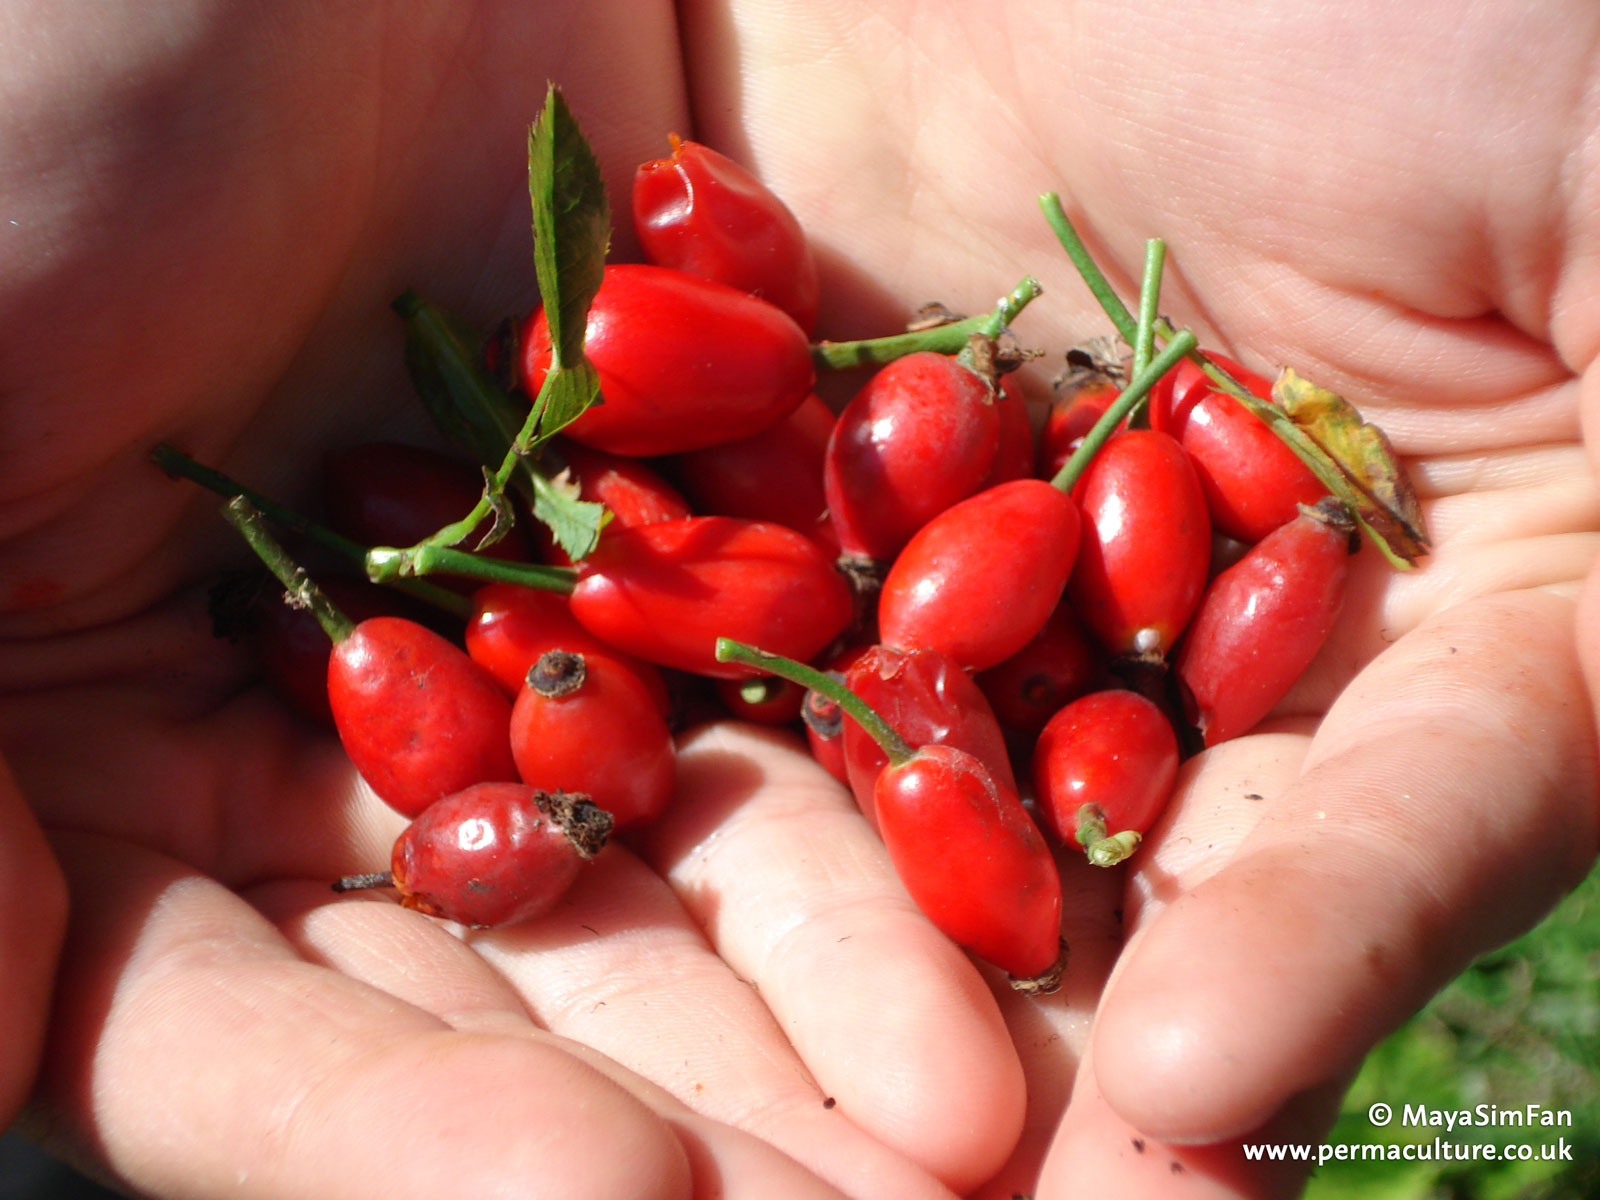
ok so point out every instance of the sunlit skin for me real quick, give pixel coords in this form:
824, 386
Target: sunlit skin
205, 211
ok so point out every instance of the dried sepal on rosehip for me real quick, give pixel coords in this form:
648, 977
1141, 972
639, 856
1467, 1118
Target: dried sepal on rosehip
586, 723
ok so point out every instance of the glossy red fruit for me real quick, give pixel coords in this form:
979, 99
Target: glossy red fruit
418, 718
918, 437
684, 362
973, 861
928, 700
1252, 481
1263, 620
699, 211
823, 718
1146, 544
1013, 448
389, 494
512, 626
824, 722
1059, 664
293, 648
1103, 771
631, 491
979, 580
586, 723
765, 700
496, 853
666, 592
774, 475
1082, 395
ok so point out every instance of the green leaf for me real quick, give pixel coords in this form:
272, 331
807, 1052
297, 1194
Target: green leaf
562, 398
571, 225
463, 402
575, 523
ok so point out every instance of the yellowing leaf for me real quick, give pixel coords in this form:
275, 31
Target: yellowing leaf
1372, 482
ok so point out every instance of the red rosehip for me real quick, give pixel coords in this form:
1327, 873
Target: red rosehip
418, 718
1103, 771
774, 475
632, 493
701, 212
587, 723
511, 626
918, 437
1263, 620
973, 861
1146, 544
1059, 664
928, 700
1252, 481
979, 580
496, 853
666, 592
684, 362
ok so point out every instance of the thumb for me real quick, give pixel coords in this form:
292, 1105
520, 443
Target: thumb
1447, 799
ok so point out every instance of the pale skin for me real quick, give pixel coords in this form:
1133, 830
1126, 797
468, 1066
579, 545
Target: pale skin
204, 212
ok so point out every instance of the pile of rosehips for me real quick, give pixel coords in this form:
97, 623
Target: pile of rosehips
946, 601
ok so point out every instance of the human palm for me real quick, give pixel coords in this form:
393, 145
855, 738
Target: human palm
212, 209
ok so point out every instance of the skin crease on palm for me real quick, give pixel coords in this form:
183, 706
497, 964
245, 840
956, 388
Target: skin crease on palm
204, 212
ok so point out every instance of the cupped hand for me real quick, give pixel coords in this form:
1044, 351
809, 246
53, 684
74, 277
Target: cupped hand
208, 210
1378, 197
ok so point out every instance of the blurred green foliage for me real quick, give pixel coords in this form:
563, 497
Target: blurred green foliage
1520, 1026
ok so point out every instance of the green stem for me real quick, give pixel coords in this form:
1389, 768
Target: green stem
180, 465
1114, 308
1102, 847
1136, 390
1113, 848
864, 715
1127, 325
386, 564
429, 330
942, 339
303, 593
1155, 257
474, 412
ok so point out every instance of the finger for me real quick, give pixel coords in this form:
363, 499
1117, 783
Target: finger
33, 899
637, 997
418, 961
1219, 797
1217, 800
1447, 800
1051, 1033
773, 861
1501, 520
1097, 1153
195, 1053
619, 966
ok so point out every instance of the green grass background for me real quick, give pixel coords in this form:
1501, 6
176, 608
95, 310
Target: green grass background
1522, 1025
